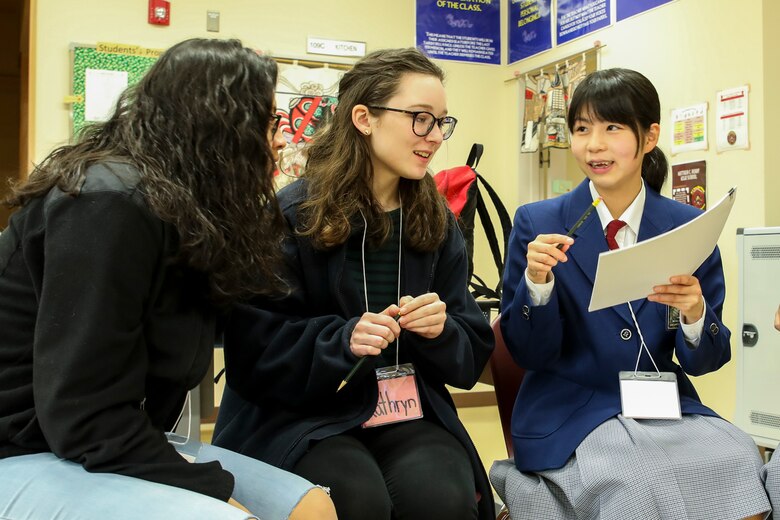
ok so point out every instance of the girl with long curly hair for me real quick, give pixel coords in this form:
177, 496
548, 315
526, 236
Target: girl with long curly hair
125, 249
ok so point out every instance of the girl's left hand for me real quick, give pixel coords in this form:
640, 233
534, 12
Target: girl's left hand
424, 315
684, 292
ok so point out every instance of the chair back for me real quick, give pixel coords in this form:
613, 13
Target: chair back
507, 376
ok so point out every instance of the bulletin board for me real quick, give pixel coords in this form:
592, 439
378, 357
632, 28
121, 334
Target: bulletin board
126, 58
306, 95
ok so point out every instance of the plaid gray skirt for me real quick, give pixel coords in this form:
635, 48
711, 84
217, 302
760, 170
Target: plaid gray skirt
694, 468
771, 476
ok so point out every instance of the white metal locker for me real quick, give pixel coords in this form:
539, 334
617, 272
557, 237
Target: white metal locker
758, 343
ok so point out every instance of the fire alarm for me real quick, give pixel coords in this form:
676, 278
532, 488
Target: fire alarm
159, 12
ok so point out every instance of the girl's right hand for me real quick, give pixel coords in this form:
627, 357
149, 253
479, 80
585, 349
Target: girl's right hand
374, 332
543, 254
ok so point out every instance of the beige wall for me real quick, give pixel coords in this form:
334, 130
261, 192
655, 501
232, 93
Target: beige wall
771, 65
690, 49
280, 29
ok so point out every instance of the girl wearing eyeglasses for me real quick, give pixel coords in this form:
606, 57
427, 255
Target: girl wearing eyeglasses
377, 271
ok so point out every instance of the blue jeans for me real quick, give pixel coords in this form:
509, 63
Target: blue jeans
38, 486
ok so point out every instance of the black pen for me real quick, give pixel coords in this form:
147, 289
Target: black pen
577, 224
359, 364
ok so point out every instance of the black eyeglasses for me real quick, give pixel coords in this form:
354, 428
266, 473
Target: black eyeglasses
275, 125
422, 122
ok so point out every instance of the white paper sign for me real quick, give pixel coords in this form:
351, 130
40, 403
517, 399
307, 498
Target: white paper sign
102, 89
732, 123
335, 47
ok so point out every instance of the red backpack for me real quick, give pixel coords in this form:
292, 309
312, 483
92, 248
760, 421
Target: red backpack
461, 187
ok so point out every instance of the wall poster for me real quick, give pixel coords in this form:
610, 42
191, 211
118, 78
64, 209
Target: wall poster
530, 28
576, 18
628, 8
306, 99
689, 128
689, 183
731, 128
464, 30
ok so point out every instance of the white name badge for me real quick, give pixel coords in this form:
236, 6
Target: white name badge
649, 395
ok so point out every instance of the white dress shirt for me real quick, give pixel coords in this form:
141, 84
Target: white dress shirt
626, 236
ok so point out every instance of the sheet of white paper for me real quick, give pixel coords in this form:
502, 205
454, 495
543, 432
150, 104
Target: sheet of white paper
624, 275
101, 90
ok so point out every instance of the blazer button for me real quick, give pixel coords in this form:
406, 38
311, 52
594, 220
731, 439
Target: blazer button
625, 334
714, 329
526, 312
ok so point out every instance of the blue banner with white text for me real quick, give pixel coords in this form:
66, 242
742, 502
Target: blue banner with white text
463, 30
576, 18
530, 29
627, 8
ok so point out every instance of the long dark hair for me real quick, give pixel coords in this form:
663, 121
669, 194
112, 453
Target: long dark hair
196, 129
627, 97
339, 170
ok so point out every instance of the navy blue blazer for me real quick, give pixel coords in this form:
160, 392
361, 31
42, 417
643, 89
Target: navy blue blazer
573, 356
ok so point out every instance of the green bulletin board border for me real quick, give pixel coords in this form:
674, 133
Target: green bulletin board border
85, 57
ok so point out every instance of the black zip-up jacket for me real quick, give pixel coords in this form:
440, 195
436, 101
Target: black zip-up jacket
286, 357
100, 337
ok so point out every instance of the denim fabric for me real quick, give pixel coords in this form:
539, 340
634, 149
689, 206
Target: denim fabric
34, 487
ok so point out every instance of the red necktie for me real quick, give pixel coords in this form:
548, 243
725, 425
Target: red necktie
612, 229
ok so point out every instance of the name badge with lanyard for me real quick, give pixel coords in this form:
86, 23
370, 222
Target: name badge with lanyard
399, 399
648, 395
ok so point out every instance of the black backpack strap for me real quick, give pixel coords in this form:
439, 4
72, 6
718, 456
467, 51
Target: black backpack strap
503, 214
490, 231
479, 289
475, 155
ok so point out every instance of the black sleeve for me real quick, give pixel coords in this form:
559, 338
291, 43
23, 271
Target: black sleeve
102, 252
276, 351
457, 356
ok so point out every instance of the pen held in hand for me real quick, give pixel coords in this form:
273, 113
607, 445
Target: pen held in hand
358, 364
582, 219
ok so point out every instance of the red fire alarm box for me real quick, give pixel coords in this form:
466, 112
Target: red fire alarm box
159, 12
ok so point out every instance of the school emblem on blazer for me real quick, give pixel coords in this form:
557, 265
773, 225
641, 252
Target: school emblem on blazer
672, 318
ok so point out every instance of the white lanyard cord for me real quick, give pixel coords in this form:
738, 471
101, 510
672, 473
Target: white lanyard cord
363, 259
187, 403
642, 343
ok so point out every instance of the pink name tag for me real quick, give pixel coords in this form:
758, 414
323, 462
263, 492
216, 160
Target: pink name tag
399, 399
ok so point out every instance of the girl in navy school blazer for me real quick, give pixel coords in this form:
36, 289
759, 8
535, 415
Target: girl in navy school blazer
573, 356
